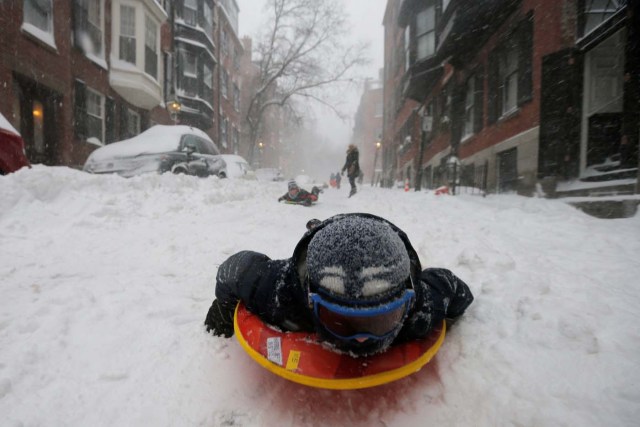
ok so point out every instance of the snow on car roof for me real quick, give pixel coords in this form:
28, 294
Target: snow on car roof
155, 140
4, 124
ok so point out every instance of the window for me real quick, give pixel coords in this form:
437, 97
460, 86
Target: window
407, 48
207, 76
598, 11
508, 71
425, 33
224, 82
509, 74
128, 34
236, 97
189, 67
379, 109
88, 29
39, 13
236, 139
225, 42
190, 12
189, 80
208, 19
223, 131
469, 120
150, 49
95, 115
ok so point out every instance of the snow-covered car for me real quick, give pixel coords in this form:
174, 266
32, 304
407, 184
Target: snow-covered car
236, 167
12, 154
160, 149
269, 174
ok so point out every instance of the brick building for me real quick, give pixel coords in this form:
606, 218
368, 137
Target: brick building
229, 76
82, 73
367, 129
516, 93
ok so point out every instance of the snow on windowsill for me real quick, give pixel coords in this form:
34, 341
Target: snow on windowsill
43, 36
466, 138
509, 114
101, 62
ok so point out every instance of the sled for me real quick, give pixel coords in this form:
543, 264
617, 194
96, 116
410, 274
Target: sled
299, 203
301, 358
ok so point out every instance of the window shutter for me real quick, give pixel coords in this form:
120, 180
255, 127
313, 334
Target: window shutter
493, 79
478, 101
525, 59
80, 109
110, 120
457, 113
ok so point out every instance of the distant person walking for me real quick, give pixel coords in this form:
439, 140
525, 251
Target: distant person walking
338, 179
352, 167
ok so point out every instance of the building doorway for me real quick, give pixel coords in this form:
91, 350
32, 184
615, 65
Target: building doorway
508, 171
38, 111
602, 106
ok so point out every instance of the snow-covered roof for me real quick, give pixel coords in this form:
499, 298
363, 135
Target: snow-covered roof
155, 140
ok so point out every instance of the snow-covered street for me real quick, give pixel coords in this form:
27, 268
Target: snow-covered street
106, 282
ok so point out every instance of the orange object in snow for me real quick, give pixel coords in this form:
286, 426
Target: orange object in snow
406, 184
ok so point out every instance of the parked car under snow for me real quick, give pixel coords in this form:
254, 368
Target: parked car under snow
160, 149
236, 167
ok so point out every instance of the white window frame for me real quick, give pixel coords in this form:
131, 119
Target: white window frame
127, 17
224, 83
189, 14
426, 33
97, 22
186, 56
207, 75
596, 15
37, 16
151, 42
509, 80
208, 18
96, 110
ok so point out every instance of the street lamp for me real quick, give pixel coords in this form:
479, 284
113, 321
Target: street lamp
174, 108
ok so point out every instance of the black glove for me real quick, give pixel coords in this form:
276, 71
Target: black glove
280, 199
220, 319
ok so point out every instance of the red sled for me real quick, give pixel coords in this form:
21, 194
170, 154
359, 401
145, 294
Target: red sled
300, 356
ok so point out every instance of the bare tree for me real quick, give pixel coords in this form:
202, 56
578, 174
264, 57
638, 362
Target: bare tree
303, 51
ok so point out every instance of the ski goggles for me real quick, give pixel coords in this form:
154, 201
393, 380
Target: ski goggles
376, 322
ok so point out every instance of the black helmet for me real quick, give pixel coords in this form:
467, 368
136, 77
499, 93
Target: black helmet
358, 272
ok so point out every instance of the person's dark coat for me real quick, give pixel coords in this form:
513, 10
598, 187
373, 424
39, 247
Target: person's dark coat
352, 165
274, 291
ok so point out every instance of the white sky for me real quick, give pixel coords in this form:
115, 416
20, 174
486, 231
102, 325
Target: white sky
366, 17
106, 283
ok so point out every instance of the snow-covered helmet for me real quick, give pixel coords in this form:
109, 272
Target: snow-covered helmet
359, 279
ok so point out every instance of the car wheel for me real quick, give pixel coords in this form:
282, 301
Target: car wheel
222, 175
180, 170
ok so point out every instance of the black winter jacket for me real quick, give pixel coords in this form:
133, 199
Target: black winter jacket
352, 164
272, 289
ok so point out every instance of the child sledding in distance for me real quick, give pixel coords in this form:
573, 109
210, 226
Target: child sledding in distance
301, 196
